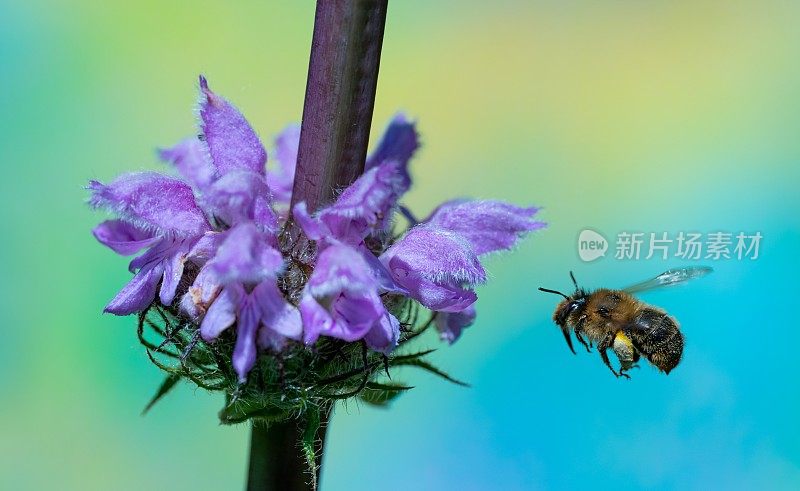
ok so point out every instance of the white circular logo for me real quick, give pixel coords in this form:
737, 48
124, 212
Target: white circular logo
591, 245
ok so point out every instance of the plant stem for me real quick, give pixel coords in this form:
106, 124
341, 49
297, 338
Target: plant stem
337, 114
276, 460
340, 96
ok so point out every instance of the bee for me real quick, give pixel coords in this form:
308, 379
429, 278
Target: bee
616, 320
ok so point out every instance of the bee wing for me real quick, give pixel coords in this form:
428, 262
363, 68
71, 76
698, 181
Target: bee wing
669, 278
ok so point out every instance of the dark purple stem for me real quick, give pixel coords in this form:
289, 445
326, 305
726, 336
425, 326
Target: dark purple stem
340, 96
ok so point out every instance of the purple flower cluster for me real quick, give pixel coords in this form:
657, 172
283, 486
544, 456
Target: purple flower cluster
221, 220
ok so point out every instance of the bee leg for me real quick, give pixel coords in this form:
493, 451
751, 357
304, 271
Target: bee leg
602, 347
579, 331
583, 341
565, 331
635, 359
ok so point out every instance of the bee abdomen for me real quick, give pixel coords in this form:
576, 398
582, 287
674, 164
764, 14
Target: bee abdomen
656, 335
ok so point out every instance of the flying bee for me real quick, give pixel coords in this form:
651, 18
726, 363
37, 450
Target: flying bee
615, 319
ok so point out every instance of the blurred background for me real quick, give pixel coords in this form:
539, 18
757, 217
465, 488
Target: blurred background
616, 116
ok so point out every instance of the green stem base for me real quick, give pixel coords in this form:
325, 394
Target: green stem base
277, 461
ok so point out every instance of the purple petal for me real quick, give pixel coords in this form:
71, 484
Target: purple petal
399, 142
450, 324
487, 225
311, 226
173, 271
222, 313
190, 157
379, 272
440, 296
122, 237
152, 202
233, 197
436, 254
316, 319
437, 267
384, 335
365, 205
206, 247
154, 255
349, 319
265, 218
137, 294
244, 352
232, 143
280, 319
354, 315
170, 255
340, 268
245, 257
343, 281
281, 179
197, 300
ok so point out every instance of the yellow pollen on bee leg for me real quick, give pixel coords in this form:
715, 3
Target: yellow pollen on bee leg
622, 338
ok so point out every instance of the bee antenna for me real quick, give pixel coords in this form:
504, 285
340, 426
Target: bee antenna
553, 291
572, 275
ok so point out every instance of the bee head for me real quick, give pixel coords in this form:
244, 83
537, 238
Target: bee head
568, 307
571, 303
